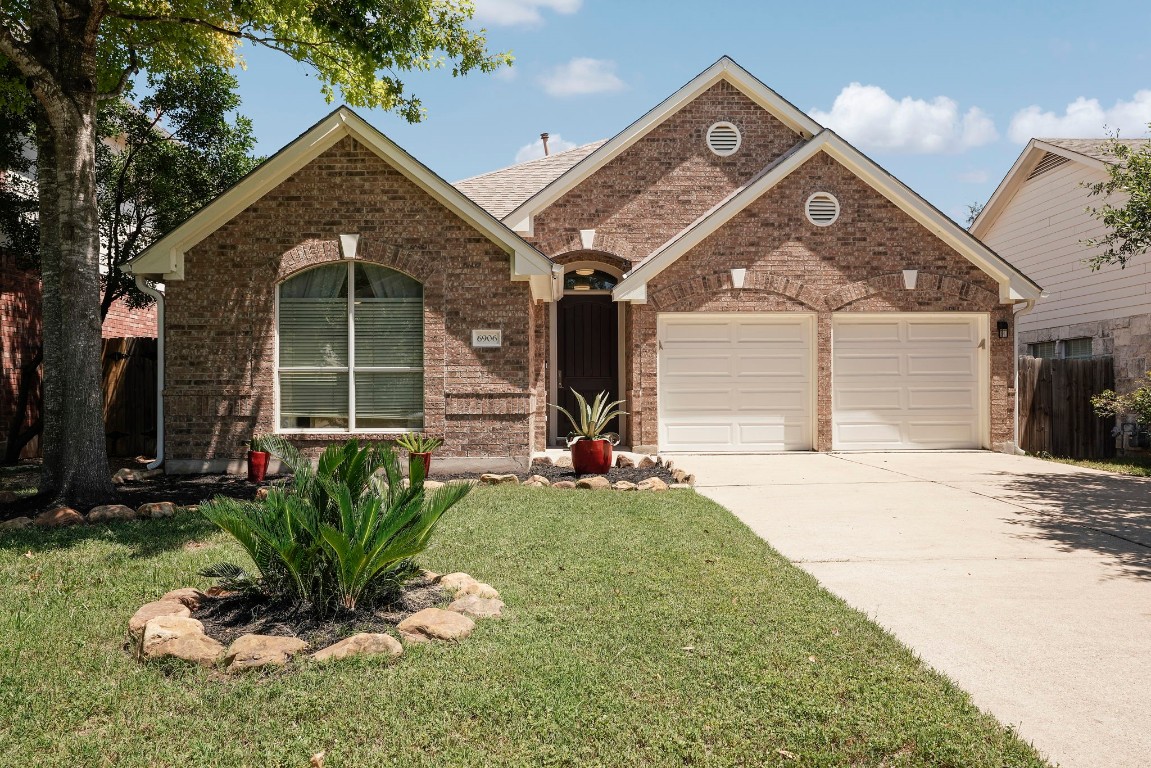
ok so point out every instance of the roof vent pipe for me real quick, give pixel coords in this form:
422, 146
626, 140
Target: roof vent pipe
544, 139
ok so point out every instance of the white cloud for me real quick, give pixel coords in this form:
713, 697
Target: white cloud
868, 117
979, 176
1084, 119
506, 13
582, 76
556, 143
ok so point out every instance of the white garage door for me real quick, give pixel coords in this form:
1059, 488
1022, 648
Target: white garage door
735, 382
905, 382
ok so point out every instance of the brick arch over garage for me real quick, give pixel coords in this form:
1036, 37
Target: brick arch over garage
938, 288
790, 294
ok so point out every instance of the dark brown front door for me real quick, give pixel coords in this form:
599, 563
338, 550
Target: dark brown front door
587, 359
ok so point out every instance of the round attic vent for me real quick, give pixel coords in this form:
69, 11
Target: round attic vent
723, 139
822, 209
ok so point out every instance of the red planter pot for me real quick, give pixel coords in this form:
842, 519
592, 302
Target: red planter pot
257, 465
426, 458
591, 457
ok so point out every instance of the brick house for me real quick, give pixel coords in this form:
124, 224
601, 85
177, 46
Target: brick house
742, 277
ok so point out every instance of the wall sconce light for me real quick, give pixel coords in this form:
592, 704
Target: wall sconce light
585, 271
910, 278
1003, 328
737, 278
348, 245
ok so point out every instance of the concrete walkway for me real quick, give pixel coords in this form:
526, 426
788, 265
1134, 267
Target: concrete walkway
1026, 581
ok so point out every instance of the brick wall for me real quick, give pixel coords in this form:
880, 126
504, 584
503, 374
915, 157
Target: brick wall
220, 319
122, 322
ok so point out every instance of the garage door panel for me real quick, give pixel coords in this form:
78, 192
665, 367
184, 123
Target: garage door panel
746, 388
962, 398
935, 364
704, 332
908, 382
769, 400
849, 365
681, 363
870, 332
929, 332
773, 365
852, 398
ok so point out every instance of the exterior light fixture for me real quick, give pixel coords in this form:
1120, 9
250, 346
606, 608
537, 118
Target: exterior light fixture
585, 271
737, 278
1003, 328
910, 278
581, 287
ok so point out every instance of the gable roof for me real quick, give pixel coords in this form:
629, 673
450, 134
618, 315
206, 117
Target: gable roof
520, 219
1089, 152
164, 259
499, 192
1013, 284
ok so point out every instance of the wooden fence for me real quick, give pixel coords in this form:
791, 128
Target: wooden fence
1055, 413
130, 396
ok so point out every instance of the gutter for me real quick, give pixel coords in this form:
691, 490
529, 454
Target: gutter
1017, 312
159, 297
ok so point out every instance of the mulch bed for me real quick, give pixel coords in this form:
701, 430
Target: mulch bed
227, 618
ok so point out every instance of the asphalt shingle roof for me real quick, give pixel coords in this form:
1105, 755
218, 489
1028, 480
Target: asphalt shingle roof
1094, 148
500, 192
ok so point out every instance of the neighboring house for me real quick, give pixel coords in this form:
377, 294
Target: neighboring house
742, 277
1038, 219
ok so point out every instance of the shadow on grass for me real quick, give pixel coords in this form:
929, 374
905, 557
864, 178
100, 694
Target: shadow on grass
1088, 511
145, 537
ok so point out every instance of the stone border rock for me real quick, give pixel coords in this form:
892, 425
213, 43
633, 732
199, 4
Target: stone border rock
62, 517
164, 628
683, 479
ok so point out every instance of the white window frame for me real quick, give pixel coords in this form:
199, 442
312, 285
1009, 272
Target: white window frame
351, 368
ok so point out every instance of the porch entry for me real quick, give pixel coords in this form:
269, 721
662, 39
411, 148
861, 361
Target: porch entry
587, 353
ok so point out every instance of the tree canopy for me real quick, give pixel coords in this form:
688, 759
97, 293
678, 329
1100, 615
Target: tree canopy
1128, 224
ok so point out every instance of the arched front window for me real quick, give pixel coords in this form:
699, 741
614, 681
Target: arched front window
351, 359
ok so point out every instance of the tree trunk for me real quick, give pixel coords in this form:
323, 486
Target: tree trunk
75, 470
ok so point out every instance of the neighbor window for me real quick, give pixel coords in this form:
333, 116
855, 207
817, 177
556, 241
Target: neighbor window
351, 359
1044, 349
1077, 349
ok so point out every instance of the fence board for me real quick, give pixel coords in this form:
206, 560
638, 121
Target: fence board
130, 396
1055, 414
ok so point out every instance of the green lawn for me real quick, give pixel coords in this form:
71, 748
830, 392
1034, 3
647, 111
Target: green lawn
1139, 466
641, 629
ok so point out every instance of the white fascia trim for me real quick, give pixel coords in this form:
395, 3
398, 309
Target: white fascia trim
520, 219
1013, 285
164, 259
1017, 176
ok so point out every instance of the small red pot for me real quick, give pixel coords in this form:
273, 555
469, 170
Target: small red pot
591, 457
426, 458
257, 465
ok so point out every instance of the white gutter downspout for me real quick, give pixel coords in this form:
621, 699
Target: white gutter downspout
1017, 312
159, 297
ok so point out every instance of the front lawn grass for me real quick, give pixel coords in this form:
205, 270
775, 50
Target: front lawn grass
1139, 466
641, 629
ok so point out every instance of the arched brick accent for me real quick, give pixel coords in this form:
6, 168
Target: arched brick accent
567, 241
674, 294
892, 282
602, 257
315, 252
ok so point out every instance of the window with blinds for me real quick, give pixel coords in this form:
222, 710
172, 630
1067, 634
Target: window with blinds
1077, 349
351, 359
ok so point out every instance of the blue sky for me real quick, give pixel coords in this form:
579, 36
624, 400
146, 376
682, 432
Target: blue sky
942, 95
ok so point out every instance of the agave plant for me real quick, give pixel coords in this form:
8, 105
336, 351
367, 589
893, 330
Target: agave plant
338, 533
414, 442
593, 418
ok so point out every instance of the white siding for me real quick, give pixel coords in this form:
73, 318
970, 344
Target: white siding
1040, 231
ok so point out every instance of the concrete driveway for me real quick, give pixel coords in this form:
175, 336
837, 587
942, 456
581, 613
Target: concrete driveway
1025, 581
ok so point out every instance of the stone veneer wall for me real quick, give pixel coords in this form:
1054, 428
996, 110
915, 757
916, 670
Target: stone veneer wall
1126, 339
220, 319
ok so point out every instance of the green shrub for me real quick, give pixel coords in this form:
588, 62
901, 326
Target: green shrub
337, 535
1136, 403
